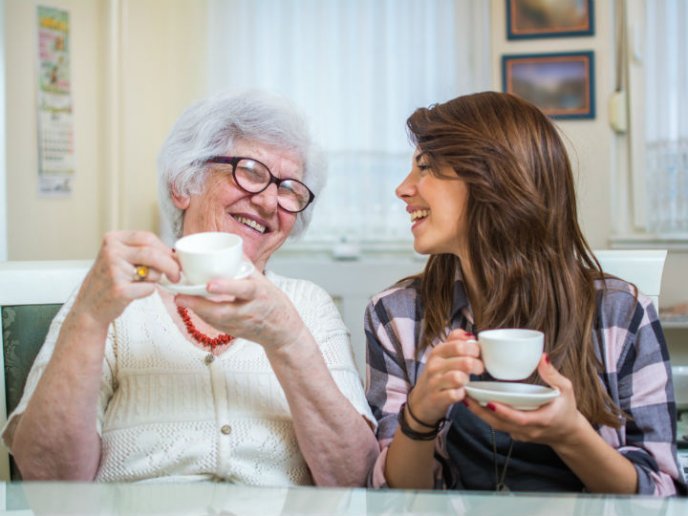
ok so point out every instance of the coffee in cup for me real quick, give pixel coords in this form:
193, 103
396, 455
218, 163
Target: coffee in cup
209, 255
511, 353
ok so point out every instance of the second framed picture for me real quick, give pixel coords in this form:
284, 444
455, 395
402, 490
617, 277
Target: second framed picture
561, 85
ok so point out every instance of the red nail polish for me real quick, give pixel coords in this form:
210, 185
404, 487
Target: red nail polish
547, 359
492, 407
465, 402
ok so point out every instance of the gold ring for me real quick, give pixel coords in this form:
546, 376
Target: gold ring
141, 272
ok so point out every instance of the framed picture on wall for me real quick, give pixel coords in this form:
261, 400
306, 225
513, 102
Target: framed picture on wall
562, 85
549, 18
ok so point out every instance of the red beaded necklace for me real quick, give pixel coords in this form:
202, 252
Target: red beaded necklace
202, 338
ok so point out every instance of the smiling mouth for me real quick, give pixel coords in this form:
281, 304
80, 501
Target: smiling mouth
250, 223
419, 214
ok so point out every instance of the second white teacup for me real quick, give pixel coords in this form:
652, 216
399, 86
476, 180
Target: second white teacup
205, 256
511, 353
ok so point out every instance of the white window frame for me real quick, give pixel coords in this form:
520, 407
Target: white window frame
3, 139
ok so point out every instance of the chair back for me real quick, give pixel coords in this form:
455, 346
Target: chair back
31, 293
642, 267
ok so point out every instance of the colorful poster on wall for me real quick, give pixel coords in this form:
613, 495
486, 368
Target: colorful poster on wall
55, 118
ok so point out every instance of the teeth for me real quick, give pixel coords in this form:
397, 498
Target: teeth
419, 214
250, 223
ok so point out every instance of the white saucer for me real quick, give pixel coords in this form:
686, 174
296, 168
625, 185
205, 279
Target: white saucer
245, 269
521, 396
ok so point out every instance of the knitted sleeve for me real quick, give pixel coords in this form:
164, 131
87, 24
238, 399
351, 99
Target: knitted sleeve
41, 362
321, 316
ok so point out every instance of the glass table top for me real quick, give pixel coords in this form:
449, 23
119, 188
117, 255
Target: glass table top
227, 500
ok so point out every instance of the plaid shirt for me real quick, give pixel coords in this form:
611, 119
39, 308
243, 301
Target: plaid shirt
628, 339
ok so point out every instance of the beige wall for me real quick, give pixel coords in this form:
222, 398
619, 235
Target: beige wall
135, 65
163, 59
41, 227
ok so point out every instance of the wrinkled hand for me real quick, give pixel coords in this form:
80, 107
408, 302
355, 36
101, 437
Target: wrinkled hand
252, 308
551, 424
111, 285
447, 370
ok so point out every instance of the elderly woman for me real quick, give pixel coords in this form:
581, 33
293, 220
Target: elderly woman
253, 385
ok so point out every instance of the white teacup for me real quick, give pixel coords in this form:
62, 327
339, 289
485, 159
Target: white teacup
205, 256
511, 353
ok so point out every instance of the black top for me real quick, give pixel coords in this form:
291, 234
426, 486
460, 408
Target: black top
532, 467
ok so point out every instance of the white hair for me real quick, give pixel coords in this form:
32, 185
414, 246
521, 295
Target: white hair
210, 127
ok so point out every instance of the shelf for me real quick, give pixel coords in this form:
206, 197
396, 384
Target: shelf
674, 323
638, 241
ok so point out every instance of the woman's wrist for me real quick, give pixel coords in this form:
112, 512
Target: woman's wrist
413, 432
416, 428
417, 418
83, 322
571, 440
417, 421
292, 345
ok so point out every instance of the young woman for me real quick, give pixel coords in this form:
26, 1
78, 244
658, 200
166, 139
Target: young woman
491, 198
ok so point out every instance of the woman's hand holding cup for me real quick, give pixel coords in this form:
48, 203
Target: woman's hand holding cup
115, 279
447, 370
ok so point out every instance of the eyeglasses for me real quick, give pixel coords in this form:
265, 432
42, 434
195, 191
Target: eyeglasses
254, 177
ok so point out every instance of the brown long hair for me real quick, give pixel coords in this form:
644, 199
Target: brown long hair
528, 256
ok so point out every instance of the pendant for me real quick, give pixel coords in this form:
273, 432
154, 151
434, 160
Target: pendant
503, 488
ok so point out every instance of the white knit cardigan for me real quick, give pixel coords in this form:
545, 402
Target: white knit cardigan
169, 411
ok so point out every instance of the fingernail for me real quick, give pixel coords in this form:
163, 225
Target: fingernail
492, 407
465, 402
547, 359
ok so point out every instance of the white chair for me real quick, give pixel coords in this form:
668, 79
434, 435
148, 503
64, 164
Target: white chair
641, 267
30, 295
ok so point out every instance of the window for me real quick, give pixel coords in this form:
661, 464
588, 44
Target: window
358, 69
666, 111
658, 145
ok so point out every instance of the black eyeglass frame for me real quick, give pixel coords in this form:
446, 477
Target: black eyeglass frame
234, 160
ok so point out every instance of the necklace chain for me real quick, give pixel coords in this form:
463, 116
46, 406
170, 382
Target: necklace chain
499, 480
200, 337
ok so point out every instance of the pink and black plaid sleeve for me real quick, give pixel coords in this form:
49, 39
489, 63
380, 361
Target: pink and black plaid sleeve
392, 326
637, 375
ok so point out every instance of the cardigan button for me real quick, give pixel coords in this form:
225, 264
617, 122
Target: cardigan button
226, 429
209, 359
